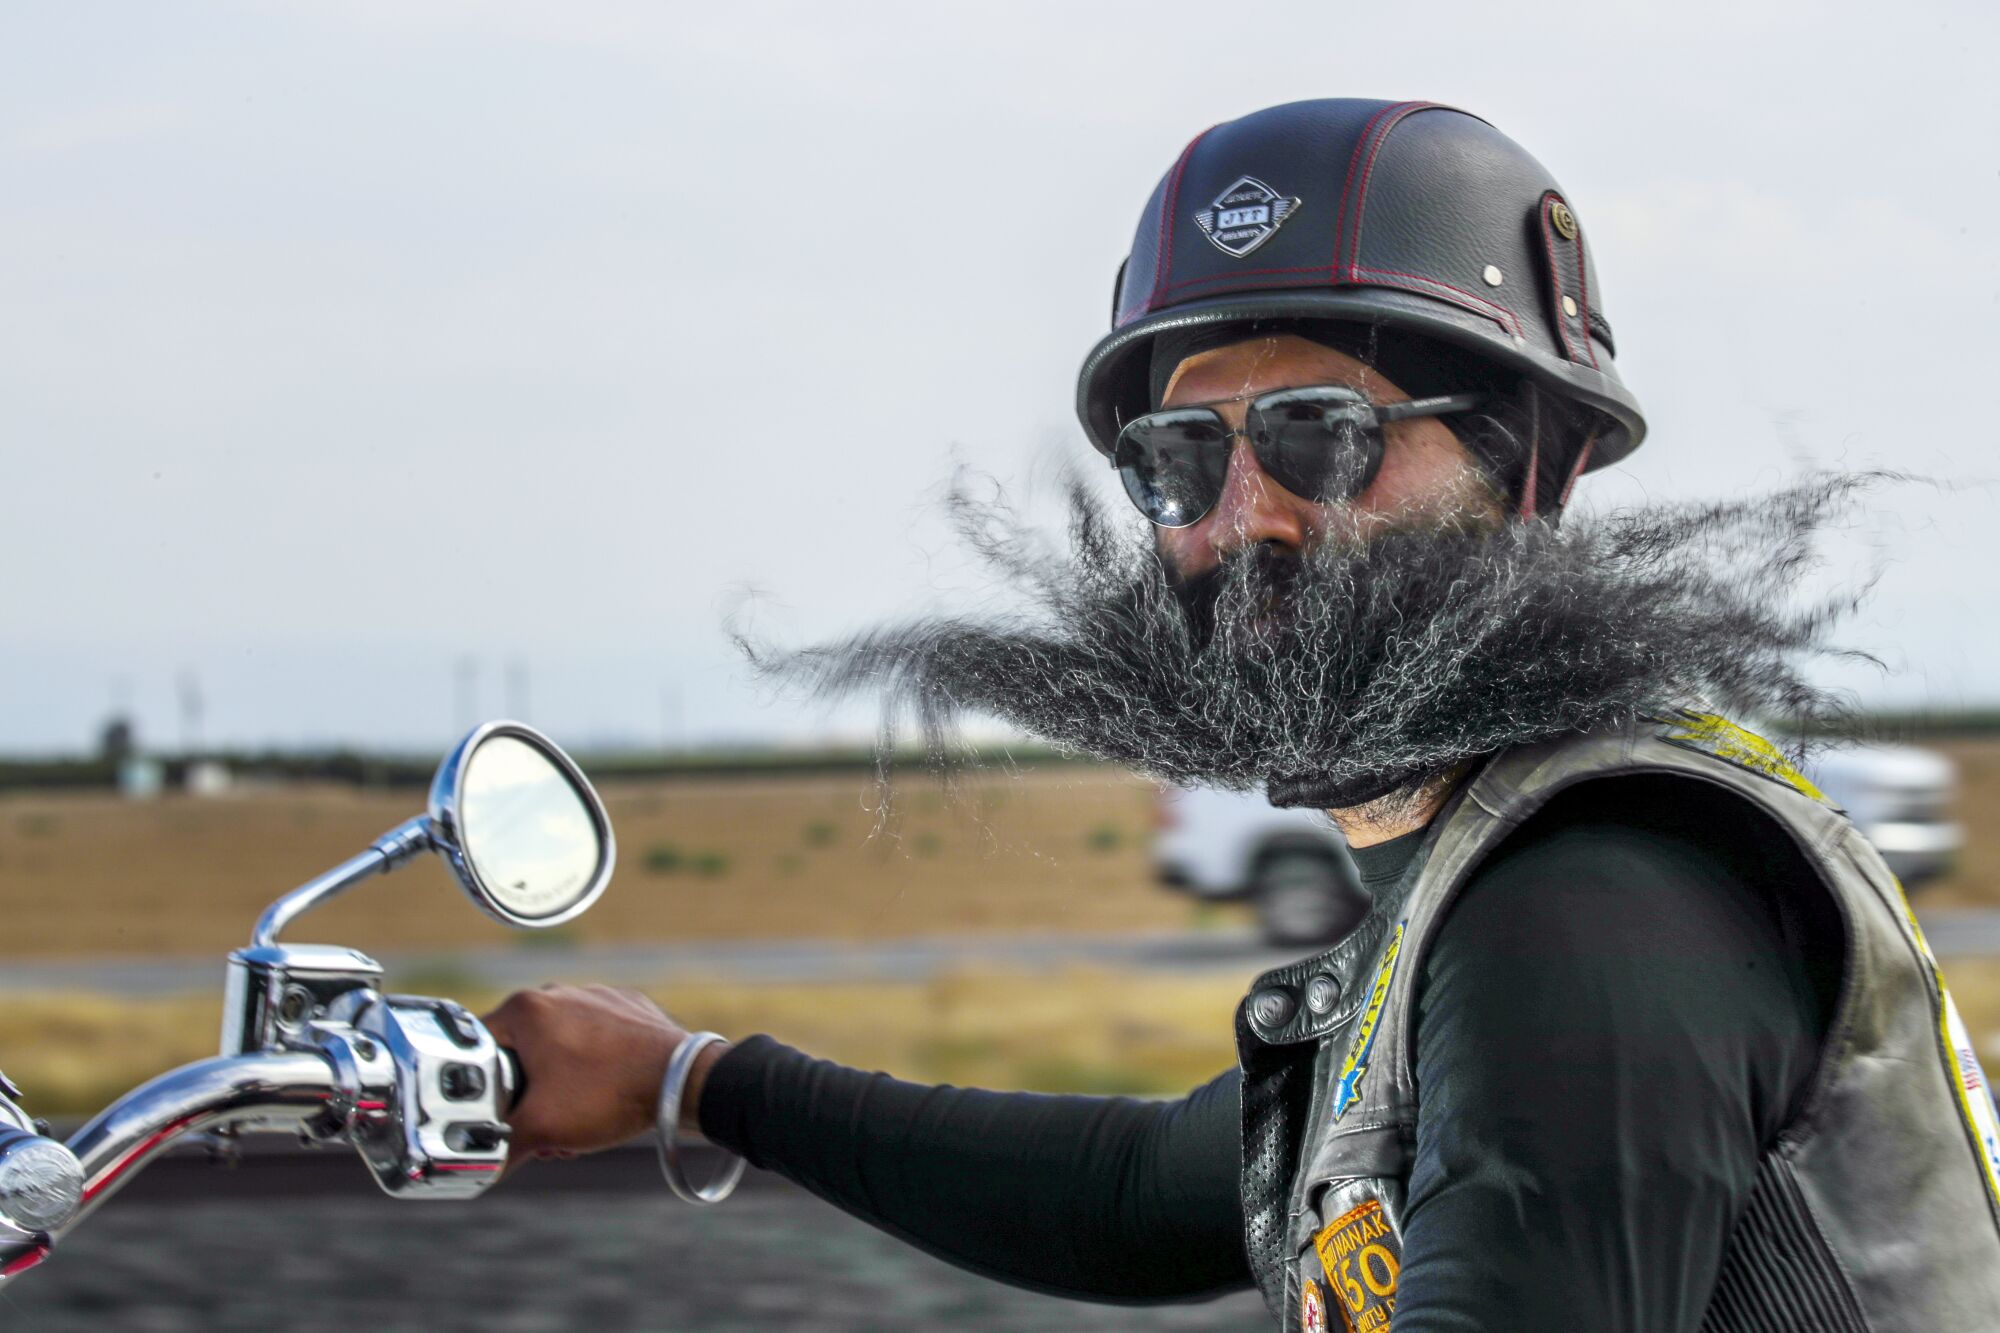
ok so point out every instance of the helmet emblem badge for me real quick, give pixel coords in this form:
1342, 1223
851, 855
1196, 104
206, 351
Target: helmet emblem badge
1244, 216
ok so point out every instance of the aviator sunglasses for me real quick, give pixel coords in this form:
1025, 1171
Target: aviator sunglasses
1320, 443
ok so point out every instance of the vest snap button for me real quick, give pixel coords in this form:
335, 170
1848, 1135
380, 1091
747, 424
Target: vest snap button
1272, 1008
1321, 992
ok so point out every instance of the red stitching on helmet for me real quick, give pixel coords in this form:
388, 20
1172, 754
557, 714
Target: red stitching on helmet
1361, 196
1163, 262
1499, 314
1582, 284
1377, 277
1246, 273
1583, 295
1582, 461
1532, 483
1547, 229
1318, 279
1340, 221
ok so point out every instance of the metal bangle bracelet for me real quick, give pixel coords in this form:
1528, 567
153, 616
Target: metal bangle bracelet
668, 1126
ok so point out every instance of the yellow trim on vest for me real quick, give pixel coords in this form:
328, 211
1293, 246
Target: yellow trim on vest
1722, 739
1984, 1146
1347, 1091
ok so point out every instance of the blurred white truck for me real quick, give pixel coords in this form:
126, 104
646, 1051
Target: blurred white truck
1294, 867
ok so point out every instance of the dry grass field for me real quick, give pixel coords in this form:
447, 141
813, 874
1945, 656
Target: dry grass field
1060, 848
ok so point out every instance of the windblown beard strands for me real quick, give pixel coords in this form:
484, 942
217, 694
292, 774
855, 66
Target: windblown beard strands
1365, 668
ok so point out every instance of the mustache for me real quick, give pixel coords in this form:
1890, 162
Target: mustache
1360, 669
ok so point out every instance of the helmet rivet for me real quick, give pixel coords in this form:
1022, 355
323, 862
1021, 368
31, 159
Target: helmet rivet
1493, 276
1569, 306
1564, 219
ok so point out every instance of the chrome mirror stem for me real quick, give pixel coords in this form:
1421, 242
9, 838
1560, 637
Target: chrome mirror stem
384, 854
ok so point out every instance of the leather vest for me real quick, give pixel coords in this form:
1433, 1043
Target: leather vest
1876, 1208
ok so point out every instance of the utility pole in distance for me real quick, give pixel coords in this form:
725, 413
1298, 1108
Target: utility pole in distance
517, 689
189, 690
670, 717
465, 684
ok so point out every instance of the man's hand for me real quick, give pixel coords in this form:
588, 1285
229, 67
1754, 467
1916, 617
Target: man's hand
593, 1058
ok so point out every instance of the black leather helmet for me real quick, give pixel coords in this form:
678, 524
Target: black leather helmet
1410, 215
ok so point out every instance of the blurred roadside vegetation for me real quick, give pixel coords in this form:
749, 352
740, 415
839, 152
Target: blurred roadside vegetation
1076, 1030
381, 769
395, 770
1082, 1030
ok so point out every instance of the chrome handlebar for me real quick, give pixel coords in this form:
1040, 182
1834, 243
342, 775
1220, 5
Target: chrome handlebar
416, 1085
47, 1187
310, 1046
266, 1091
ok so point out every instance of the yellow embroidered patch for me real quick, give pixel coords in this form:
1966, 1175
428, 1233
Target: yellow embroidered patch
1722, 739
1363, 1257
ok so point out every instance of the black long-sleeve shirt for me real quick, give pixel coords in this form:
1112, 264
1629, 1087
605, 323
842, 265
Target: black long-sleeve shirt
1613, 1021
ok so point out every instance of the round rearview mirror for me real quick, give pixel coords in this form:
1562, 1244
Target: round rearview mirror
521, 827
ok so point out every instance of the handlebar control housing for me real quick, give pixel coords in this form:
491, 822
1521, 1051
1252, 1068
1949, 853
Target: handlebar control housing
419, 1086
275, 992
443, 1132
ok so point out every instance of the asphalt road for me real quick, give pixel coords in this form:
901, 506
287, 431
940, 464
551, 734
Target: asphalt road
1955, 932
308, 1245
304, 1242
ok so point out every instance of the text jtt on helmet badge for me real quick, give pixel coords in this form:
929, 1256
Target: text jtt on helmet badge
1244, 216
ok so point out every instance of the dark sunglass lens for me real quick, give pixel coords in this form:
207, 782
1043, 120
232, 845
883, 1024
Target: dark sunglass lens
1319, 444
1173, 465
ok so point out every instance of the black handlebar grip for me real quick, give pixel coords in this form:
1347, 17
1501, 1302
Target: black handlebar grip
515, 1076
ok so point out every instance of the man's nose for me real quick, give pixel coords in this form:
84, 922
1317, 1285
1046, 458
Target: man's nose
1254, 508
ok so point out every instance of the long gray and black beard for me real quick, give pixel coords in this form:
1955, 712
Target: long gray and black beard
1351, 673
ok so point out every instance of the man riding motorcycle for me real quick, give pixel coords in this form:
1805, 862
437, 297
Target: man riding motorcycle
1636, 1032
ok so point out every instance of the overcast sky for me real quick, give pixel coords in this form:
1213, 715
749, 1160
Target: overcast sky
341, 343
